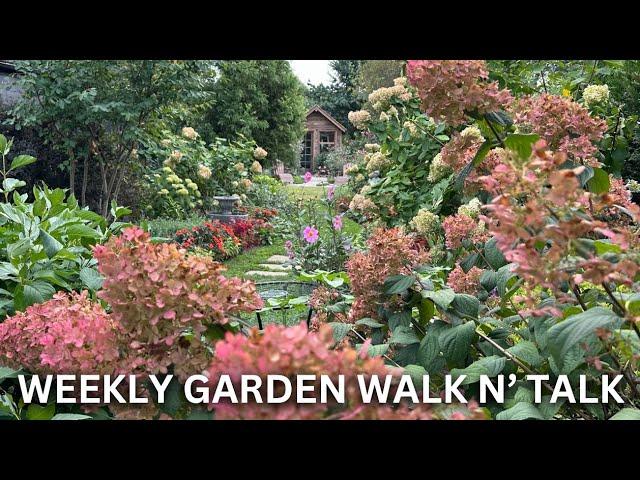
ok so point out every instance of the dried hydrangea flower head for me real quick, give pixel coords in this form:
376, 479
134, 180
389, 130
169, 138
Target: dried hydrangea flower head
450, 89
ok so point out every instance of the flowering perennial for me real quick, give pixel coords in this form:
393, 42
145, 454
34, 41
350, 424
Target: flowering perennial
294, 351
157, 292
565, 125
540, 215
595, 94
390, 252
450, 89
67, 334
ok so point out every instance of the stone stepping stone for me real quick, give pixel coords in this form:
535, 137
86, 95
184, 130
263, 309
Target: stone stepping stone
262, 273
275, 267
277, 259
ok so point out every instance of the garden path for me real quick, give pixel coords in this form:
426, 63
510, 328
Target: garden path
273, 267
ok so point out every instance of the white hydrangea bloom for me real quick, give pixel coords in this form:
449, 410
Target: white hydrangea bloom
472, 131
471, 209
425, 222
438, 169
595, 94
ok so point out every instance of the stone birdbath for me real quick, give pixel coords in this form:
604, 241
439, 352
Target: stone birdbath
227, 204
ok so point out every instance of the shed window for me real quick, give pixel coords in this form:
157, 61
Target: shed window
327, 140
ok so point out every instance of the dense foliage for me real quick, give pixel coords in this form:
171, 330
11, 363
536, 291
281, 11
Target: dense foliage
499, 237
259, 99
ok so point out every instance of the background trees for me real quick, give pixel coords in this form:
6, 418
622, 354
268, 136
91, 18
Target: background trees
341, 96
96, 112
259, 99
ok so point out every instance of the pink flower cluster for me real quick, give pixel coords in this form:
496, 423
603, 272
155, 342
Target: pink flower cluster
157, 291
461, 227
67, 334
540, 213
462, 282
566, 125
294, 351
390, 252
487, 166
460, 150
451, 89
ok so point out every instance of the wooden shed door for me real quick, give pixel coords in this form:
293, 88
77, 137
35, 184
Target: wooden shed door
307, 152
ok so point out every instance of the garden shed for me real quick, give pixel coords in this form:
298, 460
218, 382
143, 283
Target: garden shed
323, 132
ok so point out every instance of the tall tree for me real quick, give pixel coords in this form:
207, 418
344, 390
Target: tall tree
341, 96
375, 74
95, 112
262, 100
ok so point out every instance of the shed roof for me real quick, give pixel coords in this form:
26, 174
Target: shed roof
324, 113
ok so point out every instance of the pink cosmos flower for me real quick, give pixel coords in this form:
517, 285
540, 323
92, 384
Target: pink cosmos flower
331, 190
310, 234
307, 177
337, 222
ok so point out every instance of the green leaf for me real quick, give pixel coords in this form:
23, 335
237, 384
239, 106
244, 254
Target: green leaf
606, 246
469, 261
456, 342
527, 352
91, 278
369, 322
416, 373
36, 412
10, 184
488, 280
627, 414
493, 254
398, 284
6, 372
82, 231
477, 160
70, 416
3, 144
378, 350
50, 244
520, 411
21, 161
340, 330
600, 182
490, 366
442, 298
404, 335
8, 271
566, 334
500, 117
505, 279
429, 352
466, 306
521, 143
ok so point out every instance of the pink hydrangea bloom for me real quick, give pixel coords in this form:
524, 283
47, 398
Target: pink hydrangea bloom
67, 334
460, 150
565, 125
450, 89
310, 234
458, 228
308, 177
462, 282
540, 204
291, 351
